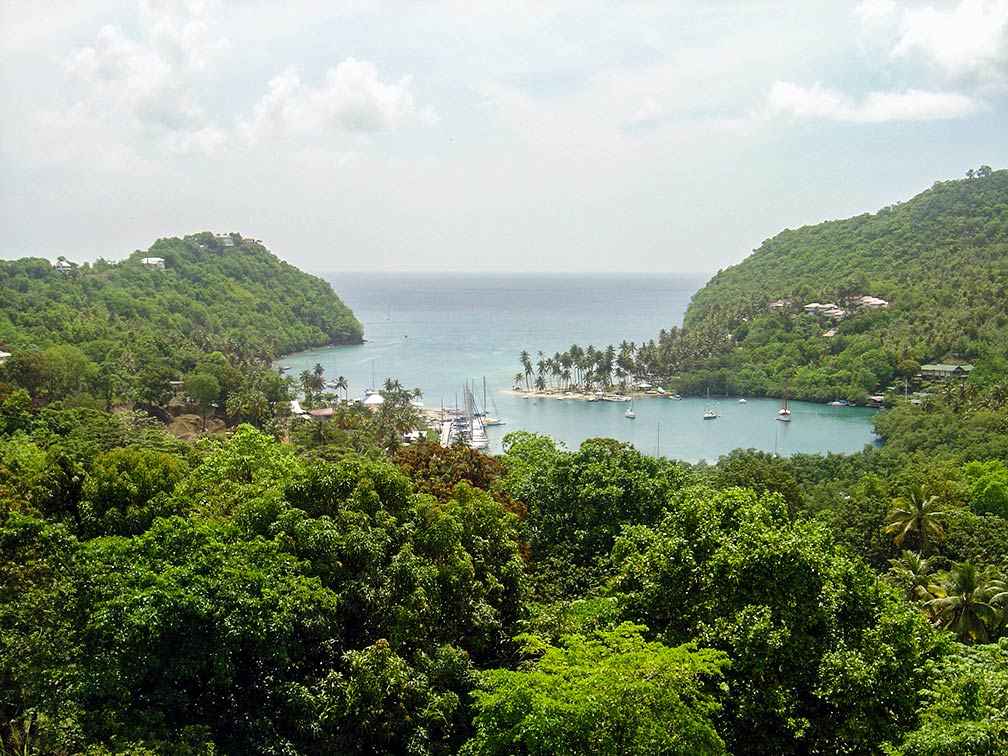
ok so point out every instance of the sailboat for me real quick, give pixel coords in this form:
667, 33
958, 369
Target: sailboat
474, 422
709, 414
489, 419
784, 414
630, 414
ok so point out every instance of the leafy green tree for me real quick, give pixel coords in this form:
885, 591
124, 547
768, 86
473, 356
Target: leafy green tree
248, 405
825, 658
127, 488
988, 487
396, 415
577, 503
964, 710
192, 625
342, 385
610, 694
73, 373
40, 636
15, 407
205, 391
31, 370
759, 472
241, 472
380, 703
58, 492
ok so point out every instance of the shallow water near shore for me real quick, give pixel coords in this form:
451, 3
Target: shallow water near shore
437, 331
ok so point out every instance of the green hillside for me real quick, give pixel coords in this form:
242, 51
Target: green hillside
939, 260
124, 329
206, 291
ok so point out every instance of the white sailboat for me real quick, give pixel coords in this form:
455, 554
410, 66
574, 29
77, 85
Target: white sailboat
630, 414
784, 414
709, 414
488, 419
477, 430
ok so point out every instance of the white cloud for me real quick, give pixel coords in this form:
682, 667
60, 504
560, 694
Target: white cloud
969, 40
794, 101
205, 141
328, 158
71, 136
144, 81
351, 99
648, 111
873, 10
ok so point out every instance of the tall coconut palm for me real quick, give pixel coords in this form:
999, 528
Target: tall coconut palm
916, 519
342, 385
526, 362
972, 602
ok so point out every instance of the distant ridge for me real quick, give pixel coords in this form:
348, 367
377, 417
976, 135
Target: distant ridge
204, 290
939, 261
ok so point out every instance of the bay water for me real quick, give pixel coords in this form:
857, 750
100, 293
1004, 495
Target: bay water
435, 331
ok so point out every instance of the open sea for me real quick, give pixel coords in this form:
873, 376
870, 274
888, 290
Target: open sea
437, 331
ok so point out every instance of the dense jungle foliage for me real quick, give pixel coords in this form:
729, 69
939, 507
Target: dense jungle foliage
939, 262
247, 595
121, 331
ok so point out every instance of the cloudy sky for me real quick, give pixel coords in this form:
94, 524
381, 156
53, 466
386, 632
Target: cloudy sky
480, 136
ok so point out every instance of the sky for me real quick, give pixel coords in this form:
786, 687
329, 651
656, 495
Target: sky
484, 136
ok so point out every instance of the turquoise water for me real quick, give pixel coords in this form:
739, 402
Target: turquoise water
436, 331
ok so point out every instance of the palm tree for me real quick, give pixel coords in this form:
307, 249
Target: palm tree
526, 362
518, 379
970, 606
917, 517
914, 574
341, 384
306, 383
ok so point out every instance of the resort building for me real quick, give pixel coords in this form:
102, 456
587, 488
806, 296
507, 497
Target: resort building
155, 262
62, 265
869, 302
943, 370
829, 310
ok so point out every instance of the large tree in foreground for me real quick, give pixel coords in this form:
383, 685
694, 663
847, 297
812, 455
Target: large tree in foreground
824, 657
607, 695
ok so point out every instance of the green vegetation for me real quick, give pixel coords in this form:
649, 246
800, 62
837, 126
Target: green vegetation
106, 333
246, 595
939, 261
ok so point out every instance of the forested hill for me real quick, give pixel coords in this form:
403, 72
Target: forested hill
210, 295
939, 260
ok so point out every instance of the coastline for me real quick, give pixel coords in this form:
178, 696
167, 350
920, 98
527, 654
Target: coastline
594, 396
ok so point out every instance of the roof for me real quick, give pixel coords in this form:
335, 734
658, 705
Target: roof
947, 368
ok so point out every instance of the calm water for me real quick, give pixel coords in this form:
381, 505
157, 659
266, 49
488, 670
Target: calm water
436, 331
